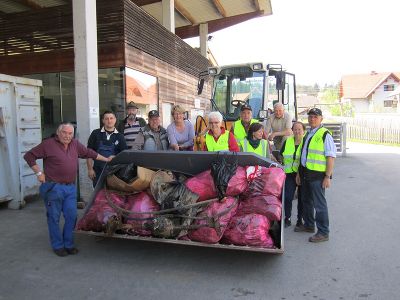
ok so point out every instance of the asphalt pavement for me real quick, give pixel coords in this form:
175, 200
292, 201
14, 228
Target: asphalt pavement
360, 261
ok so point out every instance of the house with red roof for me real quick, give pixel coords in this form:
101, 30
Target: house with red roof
371, 92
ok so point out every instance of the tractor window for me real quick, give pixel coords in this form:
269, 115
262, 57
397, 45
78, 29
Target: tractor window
220, 92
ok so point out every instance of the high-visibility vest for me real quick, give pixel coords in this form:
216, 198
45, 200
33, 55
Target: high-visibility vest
239, 131
316, 160
261, 150
291, 156
221, 145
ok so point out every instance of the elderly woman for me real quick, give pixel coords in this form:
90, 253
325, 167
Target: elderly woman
217, 138
180, 131
291, 150
254, 141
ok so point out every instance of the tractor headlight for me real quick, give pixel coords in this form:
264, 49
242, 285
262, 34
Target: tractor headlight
212, 71
257, 66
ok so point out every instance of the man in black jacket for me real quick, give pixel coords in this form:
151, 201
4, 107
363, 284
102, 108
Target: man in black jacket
131, 125
106, 141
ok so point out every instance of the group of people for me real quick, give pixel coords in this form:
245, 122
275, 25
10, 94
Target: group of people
308, 159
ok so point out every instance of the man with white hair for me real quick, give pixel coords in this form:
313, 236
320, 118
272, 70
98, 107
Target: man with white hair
279, 126
60, 159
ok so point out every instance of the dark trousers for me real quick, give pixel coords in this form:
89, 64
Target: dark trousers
290, 189
313, 196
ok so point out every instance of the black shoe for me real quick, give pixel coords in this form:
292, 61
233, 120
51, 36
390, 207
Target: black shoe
61, 252
287, 222
299, 223
72, 251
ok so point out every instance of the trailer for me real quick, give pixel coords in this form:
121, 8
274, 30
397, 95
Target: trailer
188, 163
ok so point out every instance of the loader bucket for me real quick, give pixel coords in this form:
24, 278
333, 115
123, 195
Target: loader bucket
189, 163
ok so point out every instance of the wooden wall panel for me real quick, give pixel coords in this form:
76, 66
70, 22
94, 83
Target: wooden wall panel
174, 85
110, 56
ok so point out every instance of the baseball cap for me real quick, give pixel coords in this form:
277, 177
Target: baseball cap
315, 111
132, 105
153, 113
246, 106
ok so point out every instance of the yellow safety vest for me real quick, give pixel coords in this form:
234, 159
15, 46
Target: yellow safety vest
221, 145
291, 159
239, 131
316, 160
261, 150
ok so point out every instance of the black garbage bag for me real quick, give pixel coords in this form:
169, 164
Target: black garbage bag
125, 172
222, 170
173, 194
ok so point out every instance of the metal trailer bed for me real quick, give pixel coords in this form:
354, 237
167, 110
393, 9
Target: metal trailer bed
189, 163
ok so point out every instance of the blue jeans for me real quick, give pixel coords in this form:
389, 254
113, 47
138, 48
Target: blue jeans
60, 198
313, 196
290, 189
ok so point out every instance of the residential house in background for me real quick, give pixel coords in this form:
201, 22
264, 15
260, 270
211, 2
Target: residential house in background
372, 92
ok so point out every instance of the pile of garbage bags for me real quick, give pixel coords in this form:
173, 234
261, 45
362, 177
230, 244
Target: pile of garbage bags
226, 204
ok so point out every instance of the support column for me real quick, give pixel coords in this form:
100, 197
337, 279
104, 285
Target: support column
204, 39
168, 15
86, 79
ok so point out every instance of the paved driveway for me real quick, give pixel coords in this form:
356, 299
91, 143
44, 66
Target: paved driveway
361, 260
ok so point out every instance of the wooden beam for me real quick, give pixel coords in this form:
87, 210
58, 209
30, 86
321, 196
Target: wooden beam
215, 25
184, 12
220, 8
144, 2
29, 3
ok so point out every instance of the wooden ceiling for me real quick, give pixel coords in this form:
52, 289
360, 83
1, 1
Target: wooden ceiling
219, 14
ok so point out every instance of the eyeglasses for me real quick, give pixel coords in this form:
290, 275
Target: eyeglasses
213, 122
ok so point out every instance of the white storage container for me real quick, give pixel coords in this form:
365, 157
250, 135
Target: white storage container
20, 130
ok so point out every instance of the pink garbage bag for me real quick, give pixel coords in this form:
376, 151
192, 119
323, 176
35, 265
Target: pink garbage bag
100, 212
141, 202
248, 230
221, 211
269, 206
238, 183
203, 185
269, 182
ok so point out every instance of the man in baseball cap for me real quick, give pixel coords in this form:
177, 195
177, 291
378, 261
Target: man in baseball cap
241, 126
315, 175
315, 111
152, 137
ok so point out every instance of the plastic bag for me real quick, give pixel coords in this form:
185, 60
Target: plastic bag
101, 212
248, 230
127, 173
219, 213
269, 182
203, 185
269, 206
222, 171
238, 183
141, 202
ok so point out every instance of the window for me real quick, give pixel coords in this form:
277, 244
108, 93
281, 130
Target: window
390, 103
388, 87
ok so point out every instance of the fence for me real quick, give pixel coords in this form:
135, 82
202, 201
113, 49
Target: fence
376, 128
373, 134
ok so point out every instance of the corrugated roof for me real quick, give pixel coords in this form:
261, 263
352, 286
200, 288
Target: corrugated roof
360, 86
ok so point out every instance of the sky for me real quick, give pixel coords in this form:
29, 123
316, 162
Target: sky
318, 40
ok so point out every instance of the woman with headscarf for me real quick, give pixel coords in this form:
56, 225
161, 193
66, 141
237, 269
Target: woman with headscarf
254, 141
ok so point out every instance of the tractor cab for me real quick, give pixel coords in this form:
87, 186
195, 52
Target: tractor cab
259, 85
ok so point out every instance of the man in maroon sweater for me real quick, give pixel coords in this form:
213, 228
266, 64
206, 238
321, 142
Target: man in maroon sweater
60, 159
